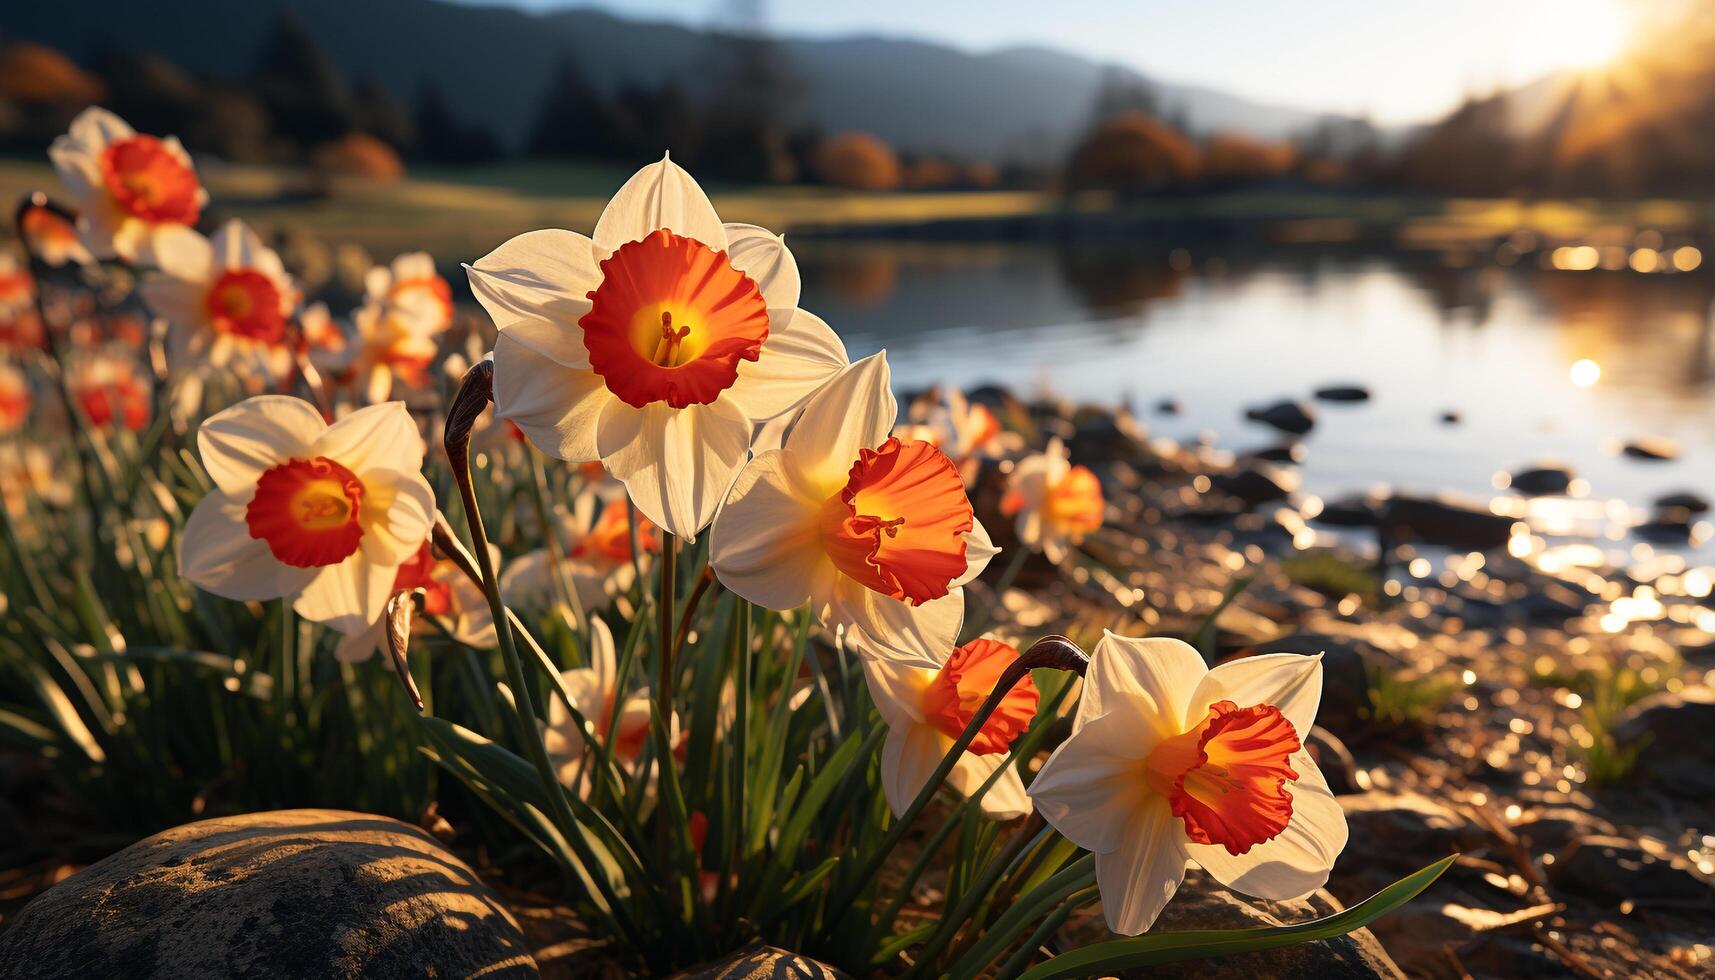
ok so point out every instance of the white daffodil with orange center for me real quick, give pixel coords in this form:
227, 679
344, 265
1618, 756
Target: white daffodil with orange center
110, 391
623, 723
135, 193
228, 296
655, 345
875, 532
927, 710
596, 559
406, 306
323, 513
1056, 504
1171, 762
965, 430
447, 594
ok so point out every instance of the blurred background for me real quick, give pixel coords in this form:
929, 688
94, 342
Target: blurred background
1487, 220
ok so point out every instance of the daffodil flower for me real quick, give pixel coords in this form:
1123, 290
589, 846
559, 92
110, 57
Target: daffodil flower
135, 193
597, 560
595, 692
1056, 503
229, 296
655, 345
1171, 762
875, 532
447, 593
927, 710
324, 514
406, 306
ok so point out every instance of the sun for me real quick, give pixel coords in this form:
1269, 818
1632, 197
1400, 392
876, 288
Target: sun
1578, 34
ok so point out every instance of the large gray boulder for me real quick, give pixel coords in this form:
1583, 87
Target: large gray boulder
290, 893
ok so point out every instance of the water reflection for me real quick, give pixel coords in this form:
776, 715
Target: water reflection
1536, 363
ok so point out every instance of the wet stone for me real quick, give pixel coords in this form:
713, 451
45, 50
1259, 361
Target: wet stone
1672, 731
1343, 393
1406, 827
1550, 830
1616, 869
1251, 487
1444, 522
1285, 415
1348, 512
1542, 481
288, 893
1290, 452
1685, 500
1652, 448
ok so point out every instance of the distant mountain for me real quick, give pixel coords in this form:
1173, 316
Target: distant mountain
494, 64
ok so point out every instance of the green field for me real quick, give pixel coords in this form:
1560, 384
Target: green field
464, 212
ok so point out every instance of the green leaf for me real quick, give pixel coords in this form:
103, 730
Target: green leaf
1170, 947
1204, 638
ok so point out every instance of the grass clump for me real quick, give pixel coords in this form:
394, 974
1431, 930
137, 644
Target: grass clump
1333, 576
1406, 701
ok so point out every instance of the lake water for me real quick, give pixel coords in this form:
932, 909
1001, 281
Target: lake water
1221, 332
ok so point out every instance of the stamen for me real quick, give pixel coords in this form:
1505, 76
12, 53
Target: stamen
667, 351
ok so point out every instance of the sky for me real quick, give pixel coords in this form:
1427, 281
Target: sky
1393, 60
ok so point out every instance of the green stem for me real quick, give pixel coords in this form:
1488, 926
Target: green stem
664, 604
473, 395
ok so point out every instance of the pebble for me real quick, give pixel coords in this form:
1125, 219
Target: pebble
1286, 415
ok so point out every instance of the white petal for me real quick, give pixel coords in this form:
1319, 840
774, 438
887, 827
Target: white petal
894, 630
1092, 786
96, 127
398, 510
855, 410
347, 596
1296, 862
800, 353
897, 691
601, 655
766, 544
1291, 682
556, 406
762, 255
237, 247
661, 195
908, 759
1138, 877
676, 463
979, 551
380, 436
184, 306
355, 648
183, 254
217, 554
253, 435
1006, 799
1159, 671
536, 288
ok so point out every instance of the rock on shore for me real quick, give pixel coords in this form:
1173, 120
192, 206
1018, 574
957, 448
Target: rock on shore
288, 893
